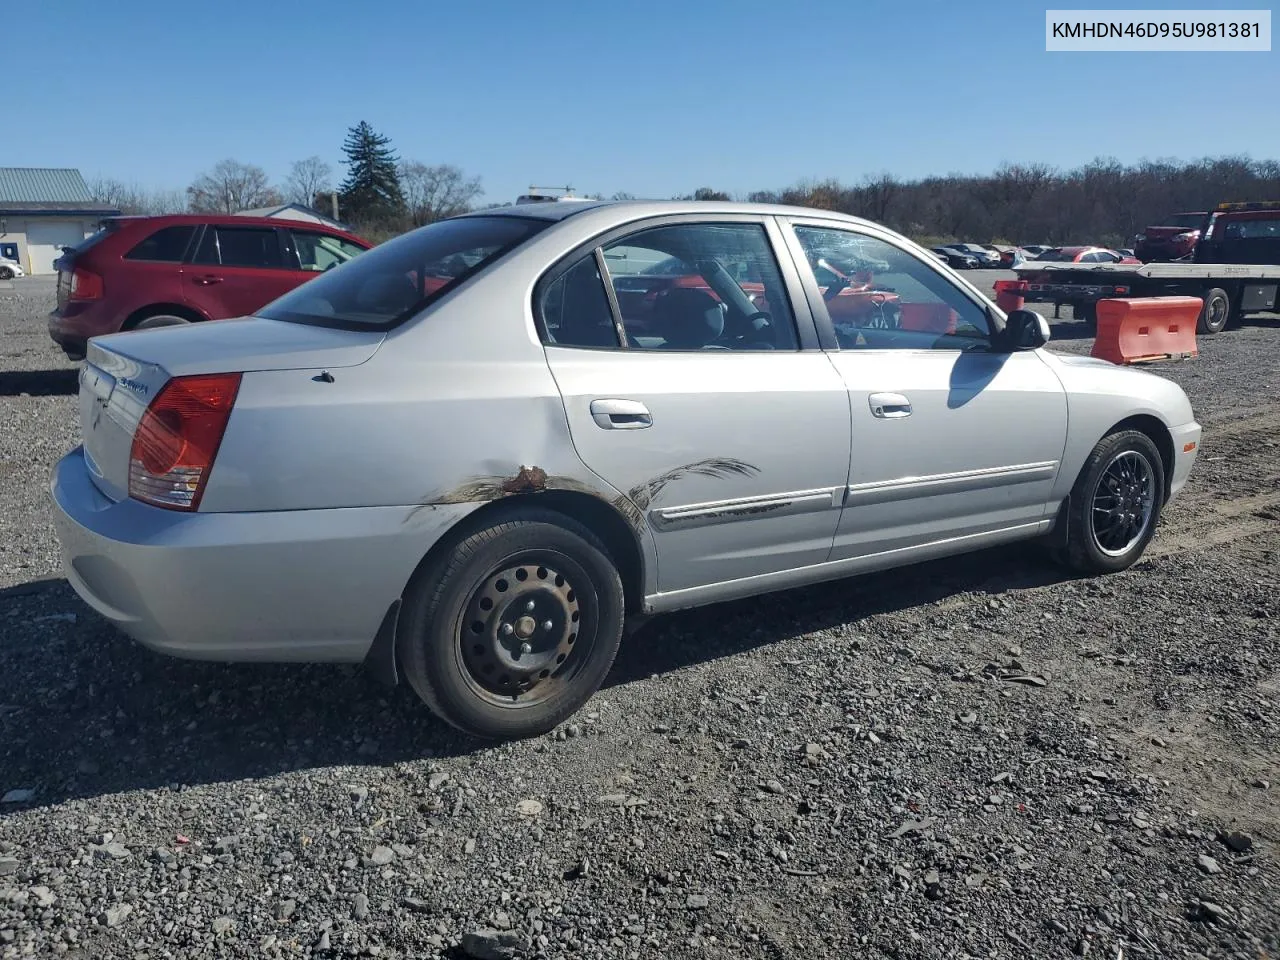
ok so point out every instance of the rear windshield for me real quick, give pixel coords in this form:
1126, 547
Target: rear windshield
391, 282
107, 227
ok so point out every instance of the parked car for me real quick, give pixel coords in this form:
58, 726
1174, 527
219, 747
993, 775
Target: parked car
1011, 256
1084, 255
1174, 240
957, 259
1033, 250
987, 257
142, 272
10, 269
475, 483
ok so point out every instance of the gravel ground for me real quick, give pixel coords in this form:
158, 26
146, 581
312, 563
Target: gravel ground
840, 771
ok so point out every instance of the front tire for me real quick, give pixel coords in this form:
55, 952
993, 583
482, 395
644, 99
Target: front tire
6, 273
1115, 504
1215, 313
514, 628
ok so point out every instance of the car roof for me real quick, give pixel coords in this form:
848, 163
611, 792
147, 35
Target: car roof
225, 219
638, 209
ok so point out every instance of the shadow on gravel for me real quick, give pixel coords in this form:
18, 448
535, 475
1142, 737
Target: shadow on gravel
40, 383
86, 711
681, 639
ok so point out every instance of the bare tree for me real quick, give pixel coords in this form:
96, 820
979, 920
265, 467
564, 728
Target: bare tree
306, 179
231, 186
132, 199
434, 192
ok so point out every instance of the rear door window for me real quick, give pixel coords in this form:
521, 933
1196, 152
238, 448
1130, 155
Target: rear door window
167, 245
241, 247
687, 286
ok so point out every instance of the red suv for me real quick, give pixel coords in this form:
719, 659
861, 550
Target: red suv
139, 272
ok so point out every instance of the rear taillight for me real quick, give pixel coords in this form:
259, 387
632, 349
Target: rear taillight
178, 438
85, 285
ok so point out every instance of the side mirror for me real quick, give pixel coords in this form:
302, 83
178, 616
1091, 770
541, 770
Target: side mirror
1024, 330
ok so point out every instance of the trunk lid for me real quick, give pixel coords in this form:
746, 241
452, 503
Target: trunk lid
123, 372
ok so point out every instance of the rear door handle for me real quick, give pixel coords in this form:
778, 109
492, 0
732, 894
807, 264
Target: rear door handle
620, 414
889, 406
206, 280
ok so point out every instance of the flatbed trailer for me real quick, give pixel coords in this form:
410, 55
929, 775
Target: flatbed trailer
1229, 290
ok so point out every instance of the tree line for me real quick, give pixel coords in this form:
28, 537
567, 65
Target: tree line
381, 194
1102, 202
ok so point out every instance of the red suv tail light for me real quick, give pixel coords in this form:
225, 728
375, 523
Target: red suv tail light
85, 285
178, 438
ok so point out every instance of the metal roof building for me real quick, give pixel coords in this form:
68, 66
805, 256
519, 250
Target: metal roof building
42, 210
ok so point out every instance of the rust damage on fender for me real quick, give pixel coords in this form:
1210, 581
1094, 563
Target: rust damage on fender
528, 480
524, 482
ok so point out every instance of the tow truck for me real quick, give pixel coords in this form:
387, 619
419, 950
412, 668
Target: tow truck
1235, 271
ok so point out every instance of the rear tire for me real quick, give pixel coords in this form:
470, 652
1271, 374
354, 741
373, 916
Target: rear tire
1086, 313
512, 629
1215, 313
1115, 504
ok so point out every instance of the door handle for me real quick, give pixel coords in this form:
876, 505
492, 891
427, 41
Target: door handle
206, 280
620, 414
889, 406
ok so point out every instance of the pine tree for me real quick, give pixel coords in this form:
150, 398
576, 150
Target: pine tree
371, 191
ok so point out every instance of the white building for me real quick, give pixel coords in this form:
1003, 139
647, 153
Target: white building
293, 211
43, 210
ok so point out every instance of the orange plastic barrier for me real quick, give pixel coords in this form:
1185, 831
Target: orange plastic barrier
1147, 328
1011, 295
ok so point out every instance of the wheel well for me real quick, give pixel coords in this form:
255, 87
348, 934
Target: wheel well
152, 309
1160, 436
593, 513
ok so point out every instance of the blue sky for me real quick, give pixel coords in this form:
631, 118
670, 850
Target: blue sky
654, 97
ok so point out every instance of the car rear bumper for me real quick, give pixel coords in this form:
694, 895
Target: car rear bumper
1186, 447
303, 585
71, 326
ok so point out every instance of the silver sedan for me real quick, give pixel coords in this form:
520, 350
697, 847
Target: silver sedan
471, 455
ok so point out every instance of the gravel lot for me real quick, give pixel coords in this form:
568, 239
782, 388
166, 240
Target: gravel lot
837, 771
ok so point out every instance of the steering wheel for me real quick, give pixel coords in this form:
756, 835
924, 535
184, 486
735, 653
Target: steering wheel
752, 336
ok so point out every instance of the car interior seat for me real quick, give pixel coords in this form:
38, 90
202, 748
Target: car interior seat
688, 319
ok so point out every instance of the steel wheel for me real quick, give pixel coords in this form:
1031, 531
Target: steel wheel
1123, 503
518, 641
480, 656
